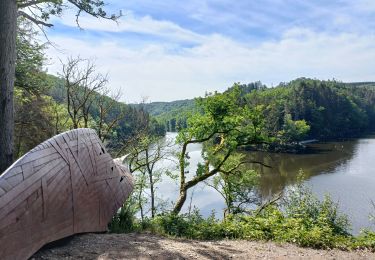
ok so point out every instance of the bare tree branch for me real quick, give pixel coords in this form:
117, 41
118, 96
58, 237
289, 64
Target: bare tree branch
81, 84
269, 202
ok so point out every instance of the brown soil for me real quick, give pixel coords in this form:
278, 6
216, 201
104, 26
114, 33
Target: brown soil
149, 246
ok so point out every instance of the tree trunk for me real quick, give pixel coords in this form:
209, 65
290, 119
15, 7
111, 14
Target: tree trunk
8, 31
181, 200
140, 204
183, 190
152, 191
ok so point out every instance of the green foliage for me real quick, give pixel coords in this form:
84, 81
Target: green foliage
37, 118
247, 88
222, 128
124, 221
365, 240
40, 104
293, 131
133, 121
32, 121
159, 108
301, 219
238, 187
303, 204
37, 115
330, 109
40, 15
311, 222
222, 117
317, 109
188, 225
172, 115
30, 60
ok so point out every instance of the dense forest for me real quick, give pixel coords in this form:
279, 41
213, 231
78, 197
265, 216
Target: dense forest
331, 109
172, 115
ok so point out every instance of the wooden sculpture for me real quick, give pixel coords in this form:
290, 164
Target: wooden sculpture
69, 184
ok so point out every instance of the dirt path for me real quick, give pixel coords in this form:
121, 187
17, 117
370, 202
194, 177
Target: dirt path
148, 246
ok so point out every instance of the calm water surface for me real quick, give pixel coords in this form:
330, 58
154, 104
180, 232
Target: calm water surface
345, 170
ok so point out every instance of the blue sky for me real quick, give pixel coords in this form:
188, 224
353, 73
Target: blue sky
167, 50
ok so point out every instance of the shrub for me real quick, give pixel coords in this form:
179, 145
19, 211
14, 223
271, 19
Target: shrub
301, 203
122, 222
365, 240
301, 219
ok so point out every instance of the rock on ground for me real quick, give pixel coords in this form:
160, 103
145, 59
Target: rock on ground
150, 246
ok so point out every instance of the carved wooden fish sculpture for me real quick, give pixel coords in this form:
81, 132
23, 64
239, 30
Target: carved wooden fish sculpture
68, 184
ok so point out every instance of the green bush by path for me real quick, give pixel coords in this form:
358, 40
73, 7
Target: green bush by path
301, 219
270, 225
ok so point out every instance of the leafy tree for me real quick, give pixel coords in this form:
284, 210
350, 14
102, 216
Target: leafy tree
222, 128
32, 121
30, 75
61, 120
238, 187
143, 160
37, 116
135, 124
293, 131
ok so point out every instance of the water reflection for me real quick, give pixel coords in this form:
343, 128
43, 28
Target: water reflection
352, 183
343, 169
318, 159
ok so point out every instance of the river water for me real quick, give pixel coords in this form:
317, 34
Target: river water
345, 170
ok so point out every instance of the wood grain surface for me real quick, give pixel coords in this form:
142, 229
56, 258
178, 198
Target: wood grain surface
69, 184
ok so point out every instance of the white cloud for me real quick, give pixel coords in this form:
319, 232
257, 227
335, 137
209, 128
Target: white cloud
214, 64
131, 23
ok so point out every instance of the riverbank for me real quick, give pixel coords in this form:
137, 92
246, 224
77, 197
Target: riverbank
150, 246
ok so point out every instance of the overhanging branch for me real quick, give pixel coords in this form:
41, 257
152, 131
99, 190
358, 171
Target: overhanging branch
30, 3
34, 20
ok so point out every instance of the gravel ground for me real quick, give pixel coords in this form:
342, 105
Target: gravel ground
149, 246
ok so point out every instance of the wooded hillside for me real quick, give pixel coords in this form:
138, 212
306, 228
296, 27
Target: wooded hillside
332, 109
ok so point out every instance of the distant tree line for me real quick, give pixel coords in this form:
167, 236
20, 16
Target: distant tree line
301, 109
331, 109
